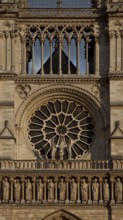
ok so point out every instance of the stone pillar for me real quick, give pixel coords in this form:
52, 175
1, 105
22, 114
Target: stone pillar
42, 55
34, 191
7, 37
78, 55
87, 64
122, 50
69, 70
100, 194
13, 52
67, 191
56, 190
118, 58
78, 191
0, 189
11, 190
60, 56
1, 49
112, 51
97, 55
23, 55
51, 61
90, 196
45, 190
112, 191
23, 191
33, 57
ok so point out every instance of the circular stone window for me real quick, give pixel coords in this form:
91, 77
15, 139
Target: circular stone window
61, 129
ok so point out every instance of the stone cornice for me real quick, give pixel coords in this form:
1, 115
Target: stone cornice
115, 76
38, 79
58, 21
60, 80
8, 76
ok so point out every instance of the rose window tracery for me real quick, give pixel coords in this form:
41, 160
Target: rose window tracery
61, 129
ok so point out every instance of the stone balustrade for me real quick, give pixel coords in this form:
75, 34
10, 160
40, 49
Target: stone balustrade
65, 12
60, 164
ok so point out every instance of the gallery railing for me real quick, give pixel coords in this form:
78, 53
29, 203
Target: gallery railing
62, 12
61, 165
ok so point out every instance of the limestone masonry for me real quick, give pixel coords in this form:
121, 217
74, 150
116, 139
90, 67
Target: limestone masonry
61, 110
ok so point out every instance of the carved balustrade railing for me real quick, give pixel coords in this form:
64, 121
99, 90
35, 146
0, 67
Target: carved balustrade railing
59, 165
66, 182
62, 12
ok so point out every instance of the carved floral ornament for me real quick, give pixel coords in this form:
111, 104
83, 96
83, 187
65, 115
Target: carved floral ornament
56, 114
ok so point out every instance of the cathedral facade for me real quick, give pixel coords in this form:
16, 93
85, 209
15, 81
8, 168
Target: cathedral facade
61, 111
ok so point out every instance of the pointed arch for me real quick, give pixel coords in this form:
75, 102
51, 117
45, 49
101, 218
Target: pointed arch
61, 214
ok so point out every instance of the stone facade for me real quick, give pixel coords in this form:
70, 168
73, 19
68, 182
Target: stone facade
61, 132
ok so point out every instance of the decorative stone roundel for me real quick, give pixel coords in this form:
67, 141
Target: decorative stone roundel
61, 129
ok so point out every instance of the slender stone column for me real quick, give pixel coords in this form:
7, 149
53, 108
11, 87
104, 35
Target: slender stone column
97, 55
87, 64
11, 190
67, 191
112, 191
112, 51
56, 190
45, 190
42, 56
78, 55
33, 182
78, 191
51, 48
23, 191
0, 189
122, 50
12, 52
89, 183
33, 56
60, 57
7, 37
23, 55
1, 49
69, 70
100, 184
118, 60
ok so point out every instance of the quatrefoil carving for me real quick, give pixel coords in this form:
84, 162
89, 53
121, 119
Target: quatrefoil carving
23, 90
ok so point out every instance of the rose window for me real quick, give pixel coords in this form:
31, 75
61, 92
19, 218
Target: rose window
61, 129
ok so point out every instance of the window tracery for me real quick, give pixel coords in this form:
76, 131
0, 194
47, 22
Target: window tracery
71, 44
61, 129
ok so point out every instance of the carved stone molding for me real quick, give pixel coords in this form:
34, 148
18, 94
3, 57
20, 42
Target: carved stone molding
54, 90
7, 76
